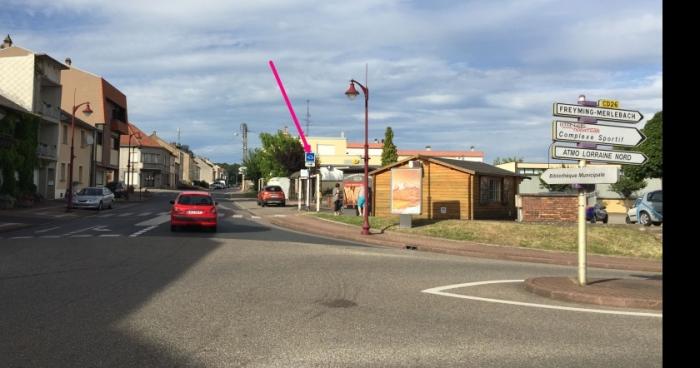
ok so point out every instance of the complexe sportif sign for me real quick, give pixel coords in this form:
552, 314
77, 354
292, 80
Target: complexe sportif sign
622, 157
600, 113
595, 133
581, 175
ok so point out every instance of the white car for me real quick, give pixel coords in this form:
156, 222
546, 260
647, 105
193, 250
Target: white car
647, 210
93, 197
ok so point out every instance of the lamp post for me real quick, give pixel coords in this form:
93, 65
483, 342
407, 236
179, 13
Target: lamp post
352, 93
87, 112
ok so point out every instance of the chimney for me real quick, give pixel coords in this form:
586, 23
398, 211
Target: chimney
471, 148
427, 148
342, 134
376, 140
68, 61
7, 43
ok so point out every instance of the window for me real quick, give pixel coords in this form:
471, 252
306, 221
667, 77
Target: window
98, 140
490, 189
63, 172
83, 142
65, 134
150, 158
115, 143
80, 174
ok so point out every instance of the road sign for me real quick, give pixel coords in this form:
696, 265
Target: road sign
610, 104
621, 157
596, 133
600, 113
581, 175
310, 159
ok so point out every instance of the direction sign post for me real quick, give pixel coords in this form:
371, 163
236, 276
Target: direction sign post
600, 113
310, 159
581, 175
621, 157
570, 131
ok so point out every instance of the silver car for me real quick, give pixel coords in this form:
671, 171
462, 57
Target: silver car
93, 197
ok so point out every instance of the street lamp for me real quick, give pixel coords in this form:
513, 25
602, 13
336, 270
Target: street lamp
87, 112
352, 93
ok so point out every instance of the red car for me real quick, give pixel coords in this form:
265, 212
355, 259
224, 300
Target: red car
271, 194
193, 209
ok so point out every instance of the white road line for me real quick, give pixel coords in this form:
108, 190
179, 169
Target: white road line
109, 235
46, 230
164, 213
106, 215
155, 221
439, 291
21, 237
237, 216
255, 217
10, 224
142, 231
279, 215
78, 231
81, 236
64, 215
143, 214
125, 214
50, 236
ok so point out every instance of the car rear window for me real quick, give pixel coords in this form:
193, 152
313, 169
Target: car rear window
91, 191
656, 197
273, 189
196, 200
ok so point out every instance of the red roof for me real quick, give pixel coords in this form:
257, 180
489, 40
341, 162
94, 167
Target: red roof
362, 145
432, 153
138, 138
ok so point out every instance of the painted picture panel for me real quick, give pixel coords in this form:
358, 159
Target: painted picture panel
406, 191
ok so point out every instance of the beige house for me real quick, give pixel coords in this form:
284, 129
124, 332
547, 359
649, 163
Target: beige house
109, 117
32, 81
175, 160
205, 169
143, 162
84, 137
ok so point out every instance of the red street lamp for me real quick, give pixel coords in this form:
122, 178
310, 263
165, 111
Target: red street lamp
352, 93
87, 112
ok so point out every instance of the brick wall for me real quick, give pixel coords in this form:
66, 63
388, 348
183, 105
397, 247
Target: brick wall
549, 208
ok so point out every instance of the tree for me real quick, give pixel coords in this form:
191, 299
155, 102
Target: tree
504, 160
281, 154
652, 148
389, 153
253, 169
626, 186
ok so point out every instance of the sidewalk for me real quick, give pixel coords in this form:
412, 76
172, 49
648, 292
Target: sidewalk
630, 293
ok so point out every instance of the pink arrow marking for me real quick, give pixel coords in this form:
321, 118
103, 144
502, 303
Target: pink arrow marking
307, 148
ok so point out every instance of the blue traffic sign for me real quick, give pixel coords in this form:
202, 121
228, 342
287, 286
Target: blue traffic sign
310, 156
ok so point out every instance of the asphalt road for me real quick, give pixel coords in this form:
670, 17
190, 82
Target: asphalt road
122, 291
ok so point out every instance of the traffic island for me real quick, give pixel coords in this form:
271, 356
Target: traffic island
622, 293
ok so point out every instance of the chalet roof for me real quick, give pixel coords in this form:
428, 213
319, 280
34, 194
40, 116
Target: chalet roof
471, 167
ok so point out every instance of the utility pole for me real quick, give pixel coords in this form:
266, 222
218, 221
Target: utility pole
244, 136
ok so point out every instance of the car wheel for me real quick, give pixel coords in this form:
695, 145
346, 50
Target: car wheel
213, 229
657, 224
173, 228
593, 220
110, 204
263, 204
645, 219
99, 206
628, 220
605, 220
284, 204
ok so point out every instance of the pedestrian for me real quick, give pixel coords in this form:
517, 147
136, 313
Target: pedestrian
361, 201
337, 199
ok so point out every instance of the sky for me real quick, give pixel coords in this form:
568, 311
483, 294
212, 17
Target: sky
448, 74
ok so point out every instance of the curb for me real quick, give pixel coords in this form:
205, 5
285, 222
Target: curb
565, 288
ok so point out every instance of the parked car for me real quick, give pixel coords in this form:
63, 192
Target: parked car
118, 188
193, 208
597, 213
271, 194
218, 185
647, 210
93, 197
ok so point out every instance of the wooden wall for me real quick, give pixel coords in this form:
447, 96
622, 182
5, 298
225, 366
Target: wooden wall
442, 187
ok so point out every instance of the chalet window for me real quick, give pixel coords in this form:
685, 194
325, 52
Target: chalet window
490, 189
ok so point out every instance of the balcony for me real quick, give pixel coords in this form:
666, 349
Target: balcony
50, 111
119, 126
46, 151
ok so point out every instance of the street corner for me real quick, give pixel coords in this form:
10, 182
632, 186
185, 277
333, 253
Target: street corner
613, 292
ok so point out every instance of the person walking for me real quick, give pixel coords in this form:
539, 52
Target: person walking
337, 199
361, 200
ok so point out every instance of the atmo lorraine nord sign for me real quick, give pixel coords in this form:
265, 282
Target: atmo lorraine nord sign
620, 157
581, 175
599, 113
595, 133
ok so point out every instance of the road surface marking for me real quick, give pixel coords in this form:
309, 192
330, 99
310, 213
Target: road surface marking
255, 217
237, 216
50, 236
80, 236
142, 231
143, 214
125, 214
440, 291
109, 235
106, 215
46, 230
164, 213
79, 231
155, 221
22, 237
279, 215
10, 224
